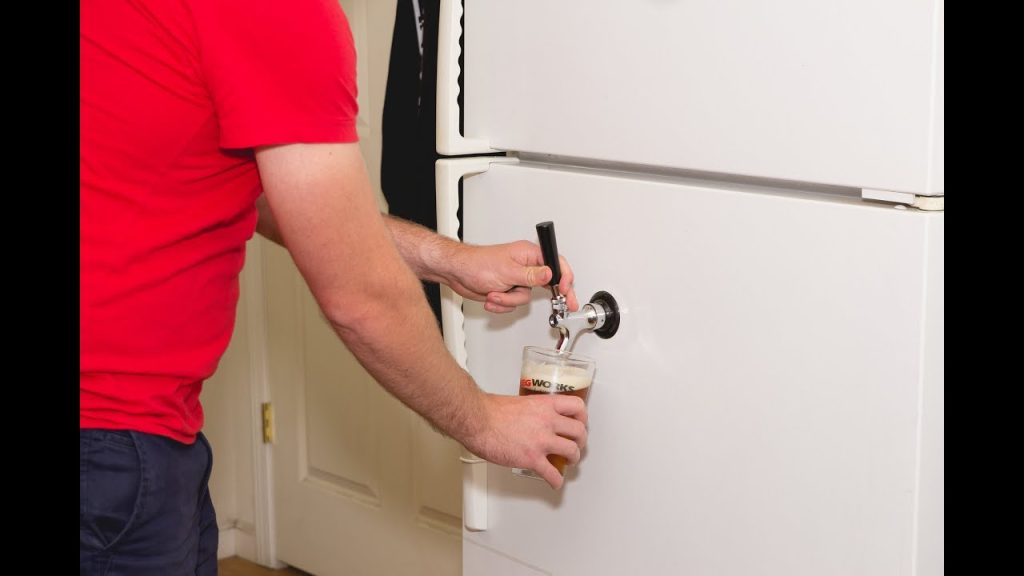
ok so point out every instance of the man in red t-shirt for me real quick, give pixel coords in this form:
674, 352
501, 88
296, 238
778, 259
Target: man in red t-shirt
192, 114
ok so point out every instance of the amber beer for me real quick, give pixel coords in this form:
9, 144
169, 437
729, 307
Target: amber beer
546, 371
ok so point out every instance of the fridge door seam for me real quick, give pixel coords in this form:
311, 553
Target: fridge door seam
925, 203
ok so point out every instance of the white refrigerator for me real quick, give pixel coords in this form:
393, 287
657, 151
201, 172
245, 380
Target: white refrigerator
759, 184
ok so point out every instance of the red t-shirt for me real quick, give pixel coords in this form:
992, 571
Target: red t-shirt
174, 95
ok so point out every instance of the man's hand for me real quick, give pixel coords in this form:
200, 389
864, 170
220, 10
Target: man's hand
503, 275
520, 431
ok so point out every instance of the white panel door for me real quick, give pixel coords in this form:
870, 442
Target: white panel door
759, 411
842, 92
362, 486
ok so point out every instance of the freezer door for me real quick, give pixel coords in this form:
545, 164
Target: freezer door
825, 91
771, 403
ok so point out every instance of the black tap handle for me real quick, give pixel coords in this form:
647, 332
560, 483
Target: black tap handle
549, 247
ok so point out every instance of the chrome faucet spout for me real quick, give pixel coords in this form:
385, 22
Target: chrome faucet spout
600, 315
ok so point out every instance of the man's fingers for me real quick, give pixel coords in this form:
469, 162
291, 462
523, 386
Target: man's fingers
548, 472
507, 301
558, 446
573, 430
571, 406
497, 308
566, 448
565, 285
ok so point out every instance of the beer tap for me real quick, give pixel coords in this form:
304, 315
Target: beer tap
600, 315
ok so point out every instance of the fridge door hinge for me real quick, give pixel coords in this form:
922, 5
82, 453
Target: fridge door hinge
268, 422
927, 203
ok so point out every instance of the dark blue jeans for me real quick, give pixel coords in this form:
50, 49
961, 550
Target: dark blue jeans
145, 505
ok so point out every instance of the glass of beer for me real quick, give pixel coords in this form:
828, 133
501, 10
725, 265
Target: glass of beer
547, 371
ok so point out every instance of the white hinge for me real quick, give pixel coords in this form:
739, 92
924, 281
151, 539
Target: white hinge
268, 423
927, 203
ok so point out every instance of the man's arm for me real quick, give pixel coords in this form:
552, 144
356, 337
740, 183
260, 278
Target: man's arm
324, 210
265, 223
500, 276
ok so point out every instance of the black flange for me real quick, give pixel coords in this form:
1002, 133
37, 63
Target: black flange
611, 311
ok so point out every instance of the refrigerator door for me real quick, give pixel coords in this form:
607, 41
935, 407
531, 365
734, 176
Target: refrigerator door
768, 405
824, 91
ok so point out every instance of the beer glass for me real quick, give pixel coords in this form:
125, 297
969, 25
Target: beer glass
547, 371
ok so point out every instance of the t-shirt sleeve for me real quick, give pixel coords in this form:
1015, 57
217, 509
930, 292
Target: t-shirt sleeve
279, 72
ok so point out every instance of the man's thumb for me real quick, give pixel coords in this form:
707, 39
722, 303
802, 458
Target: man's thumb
537, 275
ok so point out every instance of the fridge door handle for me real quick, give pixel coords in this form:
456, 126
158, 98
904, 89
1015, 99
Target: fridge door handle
447, 175
450, 140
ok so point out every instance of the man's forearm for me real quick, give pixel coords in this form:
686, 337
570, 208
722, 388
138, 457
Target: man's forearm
401, 348
424, 250
427, 253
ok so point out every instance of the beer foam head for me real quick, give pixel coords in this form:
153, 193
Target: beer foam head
554, 377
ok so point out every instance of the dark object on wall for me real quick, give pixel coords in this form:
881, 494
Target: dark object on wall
408, 151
